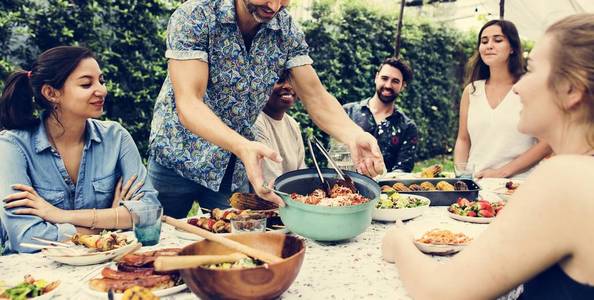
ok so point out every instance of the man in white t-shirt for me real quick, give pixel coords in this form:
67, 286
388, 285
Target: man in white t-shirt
279, 131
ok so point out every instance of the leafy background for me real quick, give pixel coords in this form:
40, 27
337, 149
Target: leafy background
347, 45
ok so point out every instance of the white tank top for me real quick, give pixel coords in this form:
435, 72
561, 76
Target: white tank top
494, 136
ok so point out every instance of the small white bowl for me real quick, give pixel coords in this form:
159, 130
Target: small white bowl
439, 249
393, 214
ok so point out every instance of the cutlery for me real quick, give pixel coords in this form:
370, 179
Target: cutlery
53, 243
325, 184
344, 180
60, 249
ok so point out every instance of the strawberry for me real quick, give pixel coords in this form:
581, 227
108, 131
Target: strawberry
484, 205
486, 213
463, 202
472, 214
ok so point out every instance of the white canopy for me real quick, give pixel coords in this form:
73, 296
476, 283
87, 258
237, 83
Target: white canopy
532, 17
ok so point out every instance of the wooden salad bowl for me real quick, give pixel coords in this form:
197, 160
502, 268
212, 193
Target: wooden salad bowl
256, 283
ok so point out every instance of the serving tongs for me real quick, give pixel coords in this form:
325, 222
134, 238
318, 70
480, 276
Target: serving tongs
170, 263
343, 179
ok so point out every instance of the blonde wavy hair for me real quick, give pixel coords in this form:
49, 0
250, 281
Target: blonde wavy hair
572, 62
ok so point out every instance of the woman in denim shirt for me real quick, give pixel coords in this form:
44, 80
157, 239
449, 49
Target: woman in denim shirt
59, 174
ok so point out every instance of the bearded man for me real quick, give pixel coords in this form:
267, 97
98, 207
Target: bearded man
395, 132
224, 57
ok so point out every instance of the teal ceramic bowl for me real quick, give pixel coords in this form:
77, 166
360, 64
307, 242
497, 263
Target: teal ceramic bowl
322, 223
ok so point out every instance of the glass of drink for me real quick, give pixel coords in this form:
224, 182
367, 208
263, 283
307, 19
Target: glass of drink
340, 153
146, 220
248, 225
464, 170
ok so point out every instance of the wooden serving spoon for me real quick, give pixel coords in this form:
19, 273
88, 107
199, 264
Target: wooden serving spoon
253, 252
170, 263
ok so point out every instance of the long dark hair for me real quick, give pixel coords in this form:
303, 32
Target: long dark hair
22, 89
476, 69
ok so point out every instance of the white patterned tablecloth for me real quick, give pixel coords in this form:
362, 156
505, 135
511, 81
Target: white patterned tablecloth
349, 270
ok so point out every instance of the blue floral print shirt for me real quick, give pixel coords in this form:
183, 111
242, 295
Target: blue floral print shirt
28, 158
396, 135
239, 83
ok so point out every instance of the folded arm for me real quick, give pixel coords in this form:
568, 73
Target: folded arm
20, 228
521, 163
134, 172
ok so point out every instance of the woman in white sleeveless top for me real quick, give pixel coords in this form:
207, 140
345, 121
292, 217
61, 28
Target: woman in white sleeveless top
488, 138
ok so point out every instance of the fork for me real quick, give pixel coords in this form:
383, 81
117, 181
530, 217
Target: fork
53, 243
61, 250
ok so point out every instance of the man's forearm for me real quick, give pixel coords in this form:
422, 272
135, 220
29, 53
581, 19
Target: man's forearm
327, 113
322, 107
197, 117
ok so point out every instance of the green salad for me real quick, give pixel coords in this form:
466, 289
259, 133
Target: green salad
246, 263
28, 289
396, 200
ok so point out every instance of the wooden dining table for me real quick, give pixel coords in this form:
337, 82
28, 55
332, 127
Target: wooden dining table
353, 269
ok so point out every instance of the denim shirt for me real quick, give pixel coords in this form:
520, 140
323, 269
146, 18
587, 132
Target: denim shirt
396, 135
239, 83
28, 158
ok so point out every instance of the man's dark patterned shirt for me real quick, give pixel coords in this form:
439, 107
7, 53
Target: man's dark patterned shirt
396, 135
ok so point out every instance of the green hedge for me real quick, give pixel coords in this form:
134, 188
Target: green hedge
347, 46
127, 36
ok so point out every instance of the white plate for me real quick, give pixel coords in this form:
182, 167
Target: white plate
497, 185
103, 295
396, 175
90, 258
393, 214
505, 196
439, 249
479, 220
184, 235
445, 175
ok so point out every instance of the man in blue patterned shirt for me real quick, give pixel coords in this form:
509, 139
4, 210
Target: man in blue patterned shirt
224, 57
396, 134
